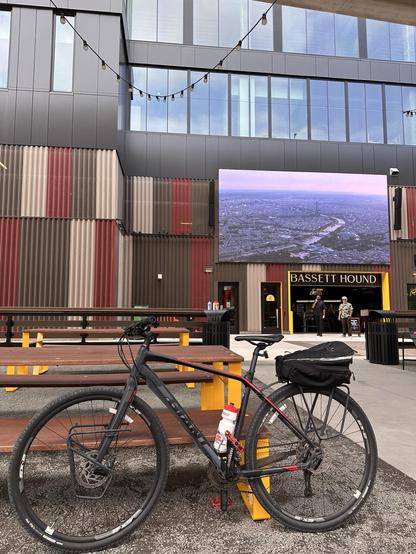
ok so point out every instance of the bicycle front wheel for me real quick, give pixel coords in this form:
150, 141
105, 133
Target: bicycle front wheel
344, 464
67, 500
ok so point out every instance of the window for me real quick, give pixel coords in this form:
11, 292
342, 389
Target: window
4, 47
206, 22
409, 102
394, 114
365, 112
249, 106
262, 36
164, 116
390, 41
289, 108
314, 32
209, 105
63, 62
156, 20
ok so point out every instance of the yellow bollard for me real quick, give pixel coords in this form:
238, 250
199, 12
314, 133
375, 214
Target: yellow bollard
253, 505
39, 369
184, 341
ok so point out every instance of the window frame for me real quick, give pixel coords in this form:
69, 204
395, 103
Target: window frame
71, 15
7, 65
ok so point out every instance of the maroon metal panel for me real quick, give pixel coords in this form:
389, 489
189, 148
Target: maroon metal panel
9, 257
59, 187
201, 260
105, 264
181, 207
11, 179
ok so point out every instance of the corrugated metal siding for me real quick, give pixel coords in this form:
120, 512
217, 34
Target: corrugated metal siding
59, 184
256, 273
168, 256
181, 207
105, 264
34, 181
9, 258
402, 257
43, 262
411, 211
125, 268
201, 258
141, 207
107, 193
84, 183
162, 202
11, 180
81, 264
277, 273
200, 207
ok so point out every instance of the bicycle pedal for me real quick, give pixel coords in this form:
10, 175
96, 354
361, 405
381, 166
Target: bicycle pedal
215, 502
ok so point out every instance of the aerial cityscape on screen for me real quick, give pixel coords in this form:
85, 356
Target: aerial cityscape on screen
290, 217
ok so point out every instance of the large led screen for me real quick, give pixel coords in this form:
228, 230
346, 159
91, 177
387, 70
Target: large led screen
291, 217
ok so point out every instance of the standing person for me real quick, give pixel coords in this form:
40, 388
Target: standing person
344, 315
318, 308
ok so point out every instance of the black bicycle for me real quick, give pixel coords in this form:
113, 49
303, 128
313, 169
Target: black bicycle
79, 481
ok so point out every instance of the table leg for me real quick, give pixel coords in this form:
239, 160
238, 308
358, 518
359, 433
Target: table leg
234, 386
253, 505
212, 394
184, 341
39, 369
21, 369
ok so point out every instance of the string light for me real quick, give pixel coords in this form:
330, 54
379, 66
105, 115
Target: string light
104, 65
409, 113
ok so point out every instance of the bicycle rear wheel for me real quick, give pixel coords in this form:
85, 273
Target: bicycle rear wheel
61, 496
345, 459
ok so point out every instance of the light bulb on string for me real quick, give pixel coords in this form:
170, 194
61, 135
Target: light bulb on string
219, 64
173, 98
181, 93
206, 78
191, 88
103, 64
118, 77
158, 98
85, 45
264, 19
130, 89
164, 99
62, 19
149, 97
141, 93
238, 47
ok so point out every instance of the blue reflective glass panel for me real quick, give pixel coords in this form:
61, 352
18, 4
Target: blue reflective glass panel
261, 38
298, 109
280, 107
4, 47
64, 55
293, 29
336, 111
233, 22
346, 35
240, 105
320, 32
394, 114
178, 108
259, 107
218, 104
356, 112
205, 22
157, 83
378, 39
138, 104
170, 21
319, 110
199, 103
402, 42
374, 109
409, 124
143, 19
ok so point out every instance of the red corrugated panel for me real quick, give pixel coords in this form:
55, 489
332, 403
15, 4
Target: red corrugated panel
59, 188
105, 264
201, 249
181, 206
411, 211
9, 259
276, 273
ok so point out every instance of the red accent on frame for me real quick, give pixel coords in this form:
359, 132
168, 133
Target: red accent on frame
200, 279
9, 260
105, 264
59, 187
181, 206
411, 211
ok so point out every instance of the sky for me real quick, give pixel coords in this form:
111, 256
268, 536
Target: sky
349, 183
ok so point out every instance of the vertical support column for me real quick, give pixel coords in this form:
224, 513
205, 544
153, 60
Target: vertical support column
39, 369
184, 341
253, 505
234, 386
212, 394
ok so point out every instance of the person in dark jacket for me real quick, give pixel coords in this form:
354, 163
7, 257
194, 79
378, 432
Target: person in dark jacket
318, 308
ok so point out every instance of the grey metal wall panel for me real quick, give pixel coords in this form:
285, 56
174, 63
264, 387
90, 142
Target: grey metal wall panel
364, 70
84, 125
23, 117
106, 127
14, 47
343, 68
60, 119
159, 52
211, 155
195, 156
272, 155
86, 65
350, 158
250, 154
26, 59
43, 50
174, 148
7, 111
404, 156
368, 158
385, 71
330, 156
84, 183
109, 51
40, 118
291, 155
251, 61
310, 154
322, 66
405, 72
279, 63
229, 153
385, 156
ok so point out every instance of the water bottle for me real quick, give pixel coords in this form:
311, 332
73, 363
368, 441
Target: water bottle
227, 423
209, 307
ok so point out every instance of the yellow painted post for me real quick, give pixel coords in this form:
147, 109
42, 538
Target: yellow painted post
385, 290
10, 370
212, 394
289, 307
39, 369
21, 369
256, 510
184, 341
234, 386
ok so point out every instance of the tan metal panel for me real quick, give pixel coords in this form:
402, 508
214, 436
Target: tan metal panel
34, 181
311, 267
256, 274
142, 205
125, 268
402, 266
81, 264
11, 180
44, 262
169, 257
200, 207
162, 205
84, 183
106, 185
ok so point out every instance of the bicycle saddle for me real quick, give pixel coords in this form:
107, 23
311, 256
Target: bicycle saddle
270, 339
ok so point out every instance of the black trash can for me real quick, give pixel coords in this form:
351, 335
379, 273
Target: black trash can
381, 339
216, 330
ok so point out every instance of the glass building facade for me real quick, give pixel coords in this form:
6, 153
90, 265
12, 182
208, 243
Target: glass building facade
4, 47
63, 60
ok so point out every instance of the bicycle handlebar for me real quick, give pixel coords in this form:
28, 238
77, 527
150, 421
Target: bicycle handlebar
141, 328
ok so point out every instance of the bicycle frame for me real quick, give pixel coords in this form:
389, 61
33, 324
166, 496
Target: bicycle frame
140, 369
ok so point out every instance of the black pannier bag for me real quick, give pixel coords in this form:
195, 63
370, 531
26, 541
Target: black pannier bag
324, 365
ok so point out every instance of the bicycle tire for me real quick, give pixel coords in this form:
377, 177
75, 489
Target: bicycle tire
49, 496
286, 499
